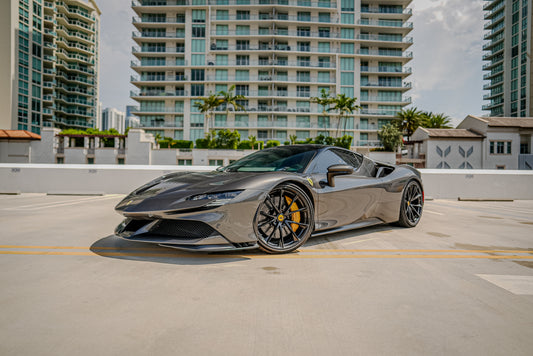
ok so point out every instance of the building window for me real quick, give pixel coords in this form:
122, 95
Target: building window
216, 162
90, 160
120, 161
60, 160
184, 162
500, 147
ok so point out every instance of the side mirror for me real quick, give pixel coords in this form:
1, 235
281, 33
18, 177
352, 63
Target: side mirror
338, 170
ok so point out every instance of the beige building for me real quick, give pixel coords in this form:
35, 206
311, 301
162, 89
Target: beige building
49, 67
278, 54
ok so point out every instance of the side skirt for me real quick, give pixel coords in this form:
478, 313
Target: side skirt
357, 225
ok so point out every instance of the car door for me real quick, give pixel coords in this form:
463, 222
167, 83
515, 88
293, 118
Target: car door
353, 196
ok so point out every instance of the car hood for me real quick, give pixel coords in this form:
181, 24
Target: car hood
170, 192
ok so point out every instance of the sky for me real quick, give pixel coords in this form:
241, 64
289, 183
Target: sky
447, 56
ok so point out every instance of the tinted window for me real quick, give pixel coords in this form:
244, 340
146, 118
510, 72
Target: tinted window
326, 159
351, 158
288, 159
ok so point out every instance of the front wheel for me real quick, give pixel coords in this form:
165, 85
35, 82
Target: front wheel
412, 204
284, 220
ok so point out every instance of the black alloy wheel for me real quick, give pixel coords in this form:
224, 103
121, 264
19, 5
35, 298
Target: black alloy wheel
284, 220
412, 204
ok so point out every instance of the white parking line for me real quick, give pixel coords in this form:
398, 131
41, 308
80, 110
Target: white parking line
432, 212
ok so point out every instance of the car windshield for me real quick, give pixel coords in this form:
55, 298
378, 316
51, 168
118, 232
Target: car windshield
288, 159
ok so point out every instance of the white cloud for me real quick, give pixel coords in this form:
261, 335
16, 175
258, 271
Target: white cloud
447, 64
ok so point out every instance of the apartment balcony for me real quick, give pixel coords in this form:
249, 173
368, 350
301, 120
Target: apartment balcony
75, 79
66, 99
494, 41
49, 83
493, 95
368, 143
150, 94
48, 58
158, 50
381, 100
267, 34
75, 35
284, 18
75, 90
369, 24
498, 52
159, 79
275, 63
492, 106
47, 112
292, 3
154, 21
381, 13
49, 5
75, 13
377, 112
75, 122
385, 40
69, 23
74, 67
156, 36
280, 48
493, 5
406, 56
492, 74
499, 27
49, 71
386, 70
494, 82
385, 86
495, 21
166, 65
74, 112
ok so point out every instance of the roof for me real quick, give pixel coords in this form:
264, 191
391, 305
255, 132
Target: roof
452, 133
522, 122
18, 135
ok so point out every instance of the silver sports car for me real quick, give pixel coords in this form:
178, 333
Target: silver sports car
274, 199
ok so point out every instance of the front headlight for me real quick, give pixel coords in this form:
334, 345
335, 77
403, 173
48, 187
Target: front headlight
217, 199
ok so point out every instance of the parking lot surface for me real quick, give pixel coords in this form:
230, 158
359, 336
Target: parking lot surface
459, 283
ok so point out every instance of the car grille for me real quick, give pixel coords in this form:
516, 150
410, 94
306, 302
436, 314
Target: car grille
183, 229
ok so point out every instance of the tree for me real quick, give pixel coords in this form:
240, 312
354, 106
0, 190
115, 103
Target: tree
229, 99
435, 121
293, 139
408, 120
227, 139
390, 137
206, 107
343, 105
253, 141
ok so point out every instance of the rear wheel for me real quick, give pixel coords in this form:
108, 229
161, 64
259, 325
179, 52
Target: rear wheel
284, 220
412, 204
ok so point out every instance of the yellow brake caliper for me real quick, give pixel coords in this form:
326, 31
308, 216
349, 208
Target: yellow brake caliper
294, 216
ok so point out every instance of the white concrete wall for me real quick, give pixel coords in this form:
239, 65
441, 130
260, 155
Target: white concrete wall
454, 158
122, 179
44, 151
139, 147
385, 157
477, 184
15, 151
105, 156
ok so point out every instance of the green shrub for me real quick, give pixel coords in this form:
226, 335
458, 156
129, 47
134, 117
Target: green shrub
163, 144
181, 144
329, 140
286, 143
320, 140
272, 143
344, 141
203, 143
390, 137
244, 145
226, 139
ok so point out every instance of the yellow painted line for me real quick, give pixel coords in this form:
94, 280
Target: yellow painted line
288, 256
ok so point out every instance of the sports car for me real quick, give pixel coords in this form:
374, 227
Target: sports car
273, 199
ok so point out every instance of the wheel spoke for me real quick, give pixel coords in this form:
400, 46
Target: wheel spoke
294, 236
270, 236
298, 211
290, 205
280, 201
267, 215
264, 222
281, 242
273, 206
297, 223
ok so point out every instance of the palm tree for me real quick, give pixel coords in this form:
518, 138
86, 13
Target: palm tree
253, 141
408, 120
206, 107
324, 100
228, 99
435, 121
344, 105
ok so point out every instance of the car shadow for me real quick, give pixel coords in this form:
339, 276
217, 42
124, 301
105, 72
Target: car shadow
114, 247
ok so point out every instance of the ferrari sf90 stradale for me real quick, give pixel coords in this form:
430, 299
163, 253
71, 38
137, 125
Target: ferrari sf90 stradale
274, 199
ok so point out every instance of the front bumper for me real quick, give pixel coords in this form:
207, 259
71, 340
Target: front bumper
225, 228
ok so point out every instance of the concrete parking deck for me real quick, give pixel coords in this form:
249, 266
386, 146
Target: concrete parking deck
460, 283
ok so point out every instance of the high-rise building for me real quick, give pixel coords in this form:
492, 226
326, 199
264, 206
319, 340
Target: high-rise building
113, 119
508, 59
131, 119
278, 54
49, 68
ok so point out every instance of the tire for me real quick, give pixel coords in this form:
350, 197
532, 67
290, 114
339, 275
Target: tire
284, 220
411, 205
